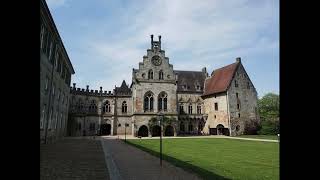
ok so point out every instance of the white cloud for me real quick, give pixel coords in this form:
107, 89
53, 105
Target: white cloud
208, 33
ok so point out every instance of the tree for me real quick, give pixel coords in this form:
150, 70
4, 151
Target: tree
269, 114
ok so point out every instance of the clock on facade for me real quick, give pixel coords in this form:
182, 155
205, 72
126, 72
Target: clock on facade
156, 60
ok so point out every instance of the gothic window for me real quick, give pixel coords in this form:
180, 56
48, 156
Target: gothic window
198, 109
150, 74
190, 127
106, 107
181, 109
42, 116
162, 102
236, 83
216, 106
182, 126
124, 107
93, 106
80, 105
160, 75
148, 101
190, 109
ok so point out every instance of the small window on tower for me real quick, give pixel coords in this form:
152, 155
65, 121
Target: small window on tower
216, 106
239, 115
238, 106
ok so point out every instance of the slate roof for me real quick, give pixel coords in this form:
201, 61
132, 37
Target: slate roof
220, 79
123, 89
188, 81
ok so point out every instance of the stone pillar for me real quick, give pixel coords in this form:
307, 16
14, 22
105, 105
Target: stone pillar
112, 126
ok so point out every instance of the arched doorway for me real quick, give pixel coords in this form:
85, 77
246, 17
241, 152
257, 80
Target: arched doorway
169, 131
156, 130
105, 129
220, 129
143, 131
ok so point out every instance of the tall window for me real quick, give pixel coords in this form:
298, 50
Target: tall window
162, 102
248, 85
190, 109
190, 127
106, 107
236, 83
148, 102
93, 106
50, 118
42, 116
216, 106
182, 126
53, 89
181, 109
46, 84
150, 74
124, 107
237, 95
160, 75
238, 106
198, 109
41, 35
80, 105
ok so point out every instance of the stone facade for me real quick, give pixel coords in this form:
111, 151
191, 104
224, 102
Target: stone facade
156, 88
55, 77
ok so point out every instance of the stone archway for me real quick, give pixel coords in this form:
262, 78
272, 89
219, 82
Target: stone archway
156, 131
169, 131
220, 129
143, 131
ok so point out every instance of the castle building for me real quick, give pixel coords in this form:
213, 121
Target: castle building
55, 77
190, 102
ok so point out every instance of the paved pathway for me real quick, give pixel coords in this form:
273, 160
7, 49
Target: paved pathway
73, 158
127, 162
212, 136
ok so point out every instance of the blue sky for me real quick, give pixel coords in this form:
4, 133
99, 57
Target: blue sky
105, 39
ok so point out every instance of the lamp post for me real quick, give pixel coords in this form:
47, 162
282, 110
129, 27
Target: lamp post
160, 115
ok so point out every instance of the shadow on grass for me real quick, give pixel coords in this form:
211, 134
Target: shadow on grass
203, 173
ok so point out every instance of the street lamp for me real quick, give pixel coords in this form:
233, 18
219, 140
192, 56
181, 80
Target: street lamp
160, 117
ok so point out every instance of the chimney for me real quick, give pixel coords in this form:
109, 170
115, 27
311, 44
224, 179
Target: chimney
238, 59
159, 42
151, 41
100, 89
87, 88
74, 85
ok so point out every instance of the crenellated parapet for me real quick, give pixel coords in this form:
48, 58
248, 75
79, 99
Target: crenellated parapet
82, 91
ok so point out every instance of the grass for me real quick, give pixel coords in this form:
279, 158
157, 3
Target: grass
218, 158
272, 137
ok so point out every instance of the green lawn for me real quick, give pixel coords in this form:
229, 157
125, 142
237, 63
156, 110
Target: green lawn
219, 158
272, 137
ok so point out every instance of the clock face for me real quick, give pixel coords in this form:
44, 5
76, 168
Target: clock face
156, 60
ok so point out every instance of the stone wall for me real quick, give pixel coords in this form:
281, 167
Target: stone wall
247, 100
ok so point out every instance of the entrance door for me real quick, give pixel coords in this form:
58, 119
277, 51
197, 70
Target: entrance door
143, 131
105, 129
220, 130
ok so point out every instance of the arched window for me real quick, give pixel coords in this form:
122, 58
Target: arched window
162, 102
160, 75
93, 106
106, 107
199, 109
150, 74
148, 101
80, 105
124, 107
190, 109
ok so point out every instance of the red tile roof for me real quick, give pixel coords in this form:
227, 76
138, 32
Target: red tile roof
220, 80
